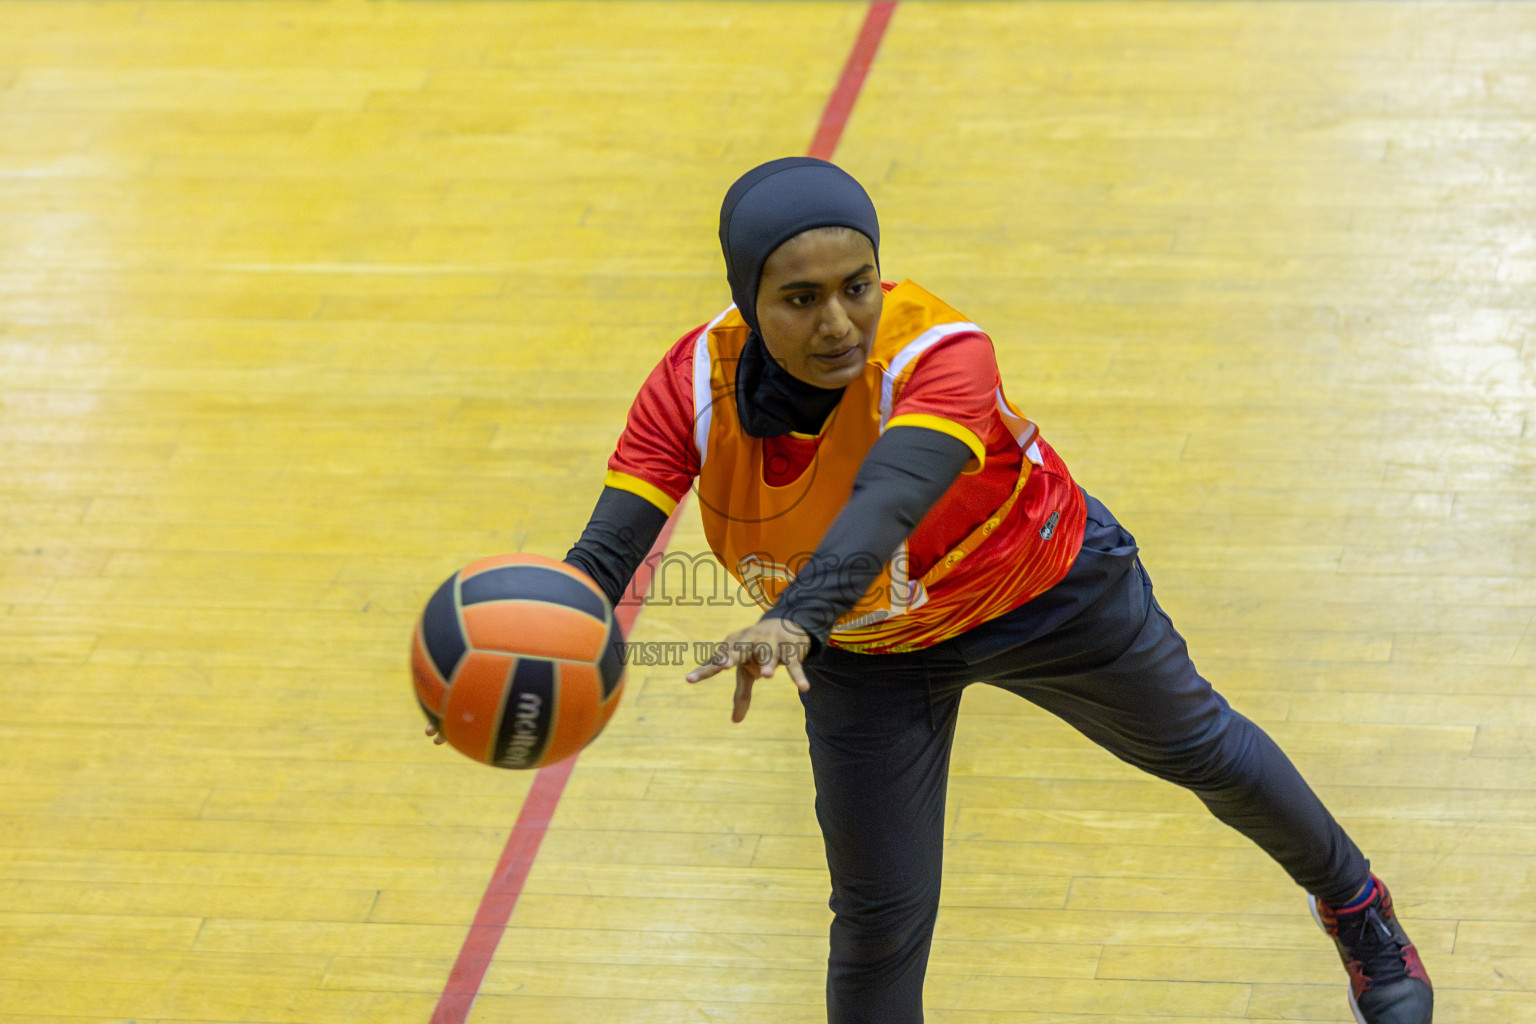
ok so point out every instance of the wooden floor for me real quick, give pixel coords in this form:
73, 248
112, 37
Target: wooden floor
302, 305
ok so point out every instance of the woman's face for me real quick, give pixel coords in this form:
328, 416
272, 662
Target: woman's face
818, 304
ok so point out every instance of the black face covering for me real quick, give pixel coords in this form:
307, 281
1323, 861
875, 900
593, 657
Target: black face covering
765, 208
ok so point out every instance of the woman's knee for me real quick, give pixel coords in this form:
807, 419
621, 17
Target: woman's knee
1228, 756
883, 929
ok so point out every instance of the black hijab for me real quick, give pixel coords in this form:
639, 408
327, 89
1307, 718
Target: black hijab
765, 208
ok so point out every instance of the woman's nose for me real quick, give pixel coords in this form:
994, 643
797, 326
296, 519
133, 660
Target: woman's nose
834, 319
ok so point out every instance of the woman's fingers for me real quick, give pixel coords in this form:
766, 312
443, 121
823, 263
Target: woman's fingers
704, 671
725, 657
796, 670
743, 699
756, 653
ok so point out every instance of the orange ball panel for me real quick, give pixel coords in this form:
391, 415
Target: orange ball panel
475, 700
480, 565
536, 629
430, 686
524, 558
576, 721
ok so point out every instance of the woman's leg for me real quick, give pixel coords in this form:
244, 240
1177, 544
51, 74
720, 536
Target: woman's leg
880, 755
1121, 674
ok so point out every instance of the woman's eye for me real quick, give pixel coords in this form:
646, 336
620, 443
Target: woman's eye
799, 301
858, 288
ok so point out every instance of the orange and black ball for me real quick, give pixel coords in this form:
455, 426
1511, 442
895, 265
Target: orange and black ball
516, 661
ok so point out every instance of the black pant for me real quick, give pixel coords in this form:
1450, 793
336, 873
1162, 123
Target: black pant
1097, 652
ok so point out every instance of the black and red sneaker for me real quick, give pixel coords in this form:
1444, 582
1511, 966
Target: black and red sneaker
1387, 981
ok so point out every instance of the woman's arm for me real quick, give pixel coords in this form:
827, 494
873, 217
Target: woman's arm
652, 467
619, 535
905, 473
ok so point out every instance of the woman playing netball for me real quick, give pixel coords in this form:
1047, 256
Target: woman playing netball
908, 532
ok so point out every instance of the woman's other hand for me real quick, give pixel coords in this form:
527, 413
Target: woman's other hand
755, 652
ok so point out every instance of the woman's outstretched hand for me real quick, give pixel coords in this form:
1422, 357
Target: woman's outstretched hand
755, 652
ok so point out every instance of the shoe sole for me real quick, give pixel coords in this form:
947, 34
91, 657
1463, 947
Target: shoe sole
1349, 990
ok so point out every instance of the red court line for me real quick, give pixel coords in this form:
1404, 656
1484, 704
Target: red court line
835, 117
543, 797
522, 847
501, 894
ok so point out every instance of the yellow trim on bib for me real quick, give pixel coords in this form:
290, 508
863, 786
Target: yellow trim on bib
962, 434
634, 485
